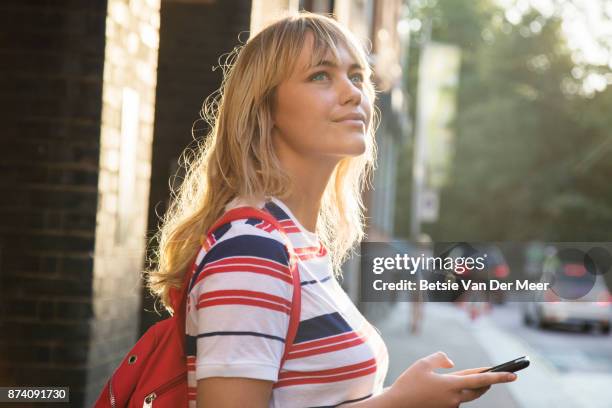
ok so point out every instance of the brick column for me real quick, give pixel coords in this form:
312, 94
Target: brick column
77, 106
128, 111
51, 62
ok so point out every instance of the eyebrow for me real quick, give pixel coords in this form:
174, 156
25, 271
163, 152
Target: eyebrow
332, 64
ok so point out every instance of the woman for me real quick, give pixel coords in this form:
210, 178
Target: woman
293, 134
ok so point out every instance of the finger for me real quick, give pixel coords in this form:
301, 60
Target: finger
475, 370
488, 379
481, 388
483, 380
438, 360
472, 394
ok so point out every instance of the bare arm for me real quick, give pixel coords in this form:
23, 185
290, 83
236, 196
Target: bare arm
377, 401
418, 387
233, 392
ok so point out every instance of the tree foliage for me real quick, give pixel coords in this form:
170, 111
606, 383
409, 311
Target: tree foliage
532, 155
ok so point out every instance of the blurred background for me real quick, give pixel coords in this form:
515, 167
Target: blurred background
496, 127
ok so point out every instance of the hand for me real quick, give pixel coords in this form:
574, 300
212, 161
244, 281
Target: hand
478, 391
419, 386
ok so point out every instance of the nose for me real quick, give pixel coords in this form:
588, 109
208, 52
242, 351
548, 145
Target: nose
349, 93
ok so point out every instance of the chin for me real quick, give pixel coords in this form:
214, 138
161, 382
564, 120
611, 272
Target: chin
359, 151
344, 145
356, 147
351, 151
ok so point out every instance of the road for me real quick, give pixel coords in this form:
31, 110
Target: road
569, 350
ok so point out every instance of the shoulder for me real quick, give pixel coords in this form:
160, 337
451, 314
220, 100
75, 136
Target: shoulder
245, 251
247, 237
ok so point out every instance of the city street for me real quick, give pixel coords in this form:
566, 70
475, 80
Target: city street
568, 369
569, 350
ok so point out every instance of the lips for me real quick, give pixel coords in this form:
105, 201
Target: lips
352, 122
352, 117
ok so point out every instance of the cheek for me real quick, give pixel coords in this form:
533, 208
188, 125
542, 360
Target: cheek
367, 107
303, 116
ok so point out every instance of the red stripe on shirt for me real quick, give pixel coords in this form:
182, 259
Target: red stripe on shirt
266, 226
245, 293
326, 349
304, 250
243, 301
305, 257
331, 339
249, 260
330, 371
319, 380
210, 270
314, 377
305, 253
289, 226
210, 241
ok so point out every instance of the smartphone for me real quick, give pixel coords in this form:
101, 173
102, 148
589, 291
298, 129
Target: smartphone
510, 366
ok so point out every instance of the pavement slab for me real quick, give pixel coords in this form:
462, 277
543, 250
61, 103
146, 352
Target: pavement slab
485, 342
443, 329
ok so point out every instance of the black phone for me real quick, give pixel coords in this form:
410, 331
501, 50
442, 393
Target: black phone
510, 366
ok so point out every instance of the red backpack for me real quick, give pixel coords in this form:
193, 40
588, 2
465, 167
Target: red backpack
154, 372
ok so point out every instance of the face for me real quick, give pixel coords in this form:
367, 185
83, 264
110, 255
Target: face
322, 112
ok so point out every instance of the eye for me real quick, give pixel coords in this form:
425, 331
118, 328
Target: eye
358, 75
318, 74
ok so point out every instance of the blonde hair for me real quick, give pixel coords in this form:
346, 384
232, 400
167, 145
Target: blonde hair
237, 158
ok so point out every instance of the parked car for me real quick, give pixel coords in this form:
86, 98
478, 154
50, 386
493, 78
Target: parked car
576, 298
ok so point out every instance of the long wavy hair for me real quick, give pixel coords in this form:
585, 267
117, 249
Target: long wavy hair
237, 159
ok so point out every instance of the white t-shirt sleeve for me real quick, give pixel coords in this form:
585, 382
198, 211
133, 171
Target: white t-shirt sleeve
239, 305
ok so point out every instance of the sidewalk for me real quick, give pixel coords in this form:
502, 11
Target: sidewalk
481, 343
444, 329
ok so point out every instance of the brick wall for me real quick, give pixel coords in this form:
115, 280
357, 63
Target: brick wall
71, 250
51, 61
128, 106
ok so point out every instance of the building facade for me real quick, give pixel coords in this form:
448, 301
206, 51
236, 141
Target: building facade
99, 100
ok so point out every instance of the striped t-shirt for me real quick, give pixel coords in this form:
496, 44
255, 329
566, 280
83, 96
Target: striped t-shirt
238, 315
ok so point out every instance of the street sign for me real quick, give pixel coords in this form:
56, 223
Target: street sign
429, 206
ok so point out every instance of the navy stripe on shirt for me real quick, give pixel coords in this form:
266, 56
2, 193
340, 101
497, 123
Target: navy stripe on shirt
310, 282
321, 326
343, 402
219, 232
241, 333
276, 211
253, 221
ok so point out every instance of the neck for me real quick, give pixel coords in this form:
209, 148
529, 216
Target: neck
309, 177
305, 207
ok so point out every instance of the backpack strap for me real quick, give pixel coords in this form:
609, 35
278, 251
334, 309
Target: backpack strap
252, 212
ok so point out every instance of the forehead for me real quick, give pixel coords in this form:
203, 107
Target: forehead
313, 53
